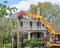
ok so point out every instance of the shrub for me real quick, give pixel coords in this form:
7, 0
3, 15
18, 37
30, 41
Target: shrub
7, 46
33, 42
6, 41
23, 44
37, 41
1, 44
27, 41
15, 44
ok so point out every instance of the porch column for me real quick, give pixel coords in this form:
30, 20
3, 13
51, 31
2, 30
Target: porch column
44, 33
29, 35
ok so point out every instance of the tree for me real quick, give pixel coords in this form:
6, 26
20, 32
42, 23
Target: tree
33, 8
47, 10
4, 27
4, 8
13, 26
8, 30
11, 9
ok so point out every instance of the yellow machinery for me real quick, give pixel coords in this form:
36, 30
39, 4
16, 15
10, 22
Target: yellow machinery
54, 36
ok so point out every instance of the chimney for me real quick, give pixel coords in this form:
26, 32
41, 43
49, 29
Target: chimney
38, 11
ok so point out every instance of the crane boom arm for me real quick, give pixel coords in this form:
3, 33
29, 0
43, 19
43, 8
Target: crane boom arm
41, 19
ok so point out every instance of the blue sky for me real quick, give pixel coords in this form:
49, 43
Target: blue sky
11, 2
24, 4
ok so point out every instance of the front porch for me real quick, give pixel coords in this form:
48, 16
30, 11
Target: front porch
29, 35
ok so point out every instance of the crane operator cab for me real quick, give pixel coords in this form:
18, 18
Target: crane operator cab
57, 38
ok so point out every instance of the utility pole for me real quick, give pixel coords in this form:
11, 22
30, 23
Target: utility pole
18, 35
20, 16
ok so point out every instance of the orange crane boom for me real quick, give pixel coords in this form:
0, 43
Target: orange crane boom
42, 20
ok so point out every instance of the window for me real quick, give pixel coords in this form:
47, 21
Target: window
21, 23
42, 24
30, 23
38, 24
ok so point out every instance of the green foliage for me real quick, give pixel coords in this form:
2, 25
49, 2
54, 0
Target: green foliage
33, 42
15, 44
7, 46
37, 41
4, 8
48, 10
32, 6
26, 41
7, 27
11, 9
6, 41
23, 44
1, 44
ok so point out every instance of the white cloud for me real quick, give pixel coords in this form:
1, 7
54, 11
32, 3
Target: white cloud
24, 5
